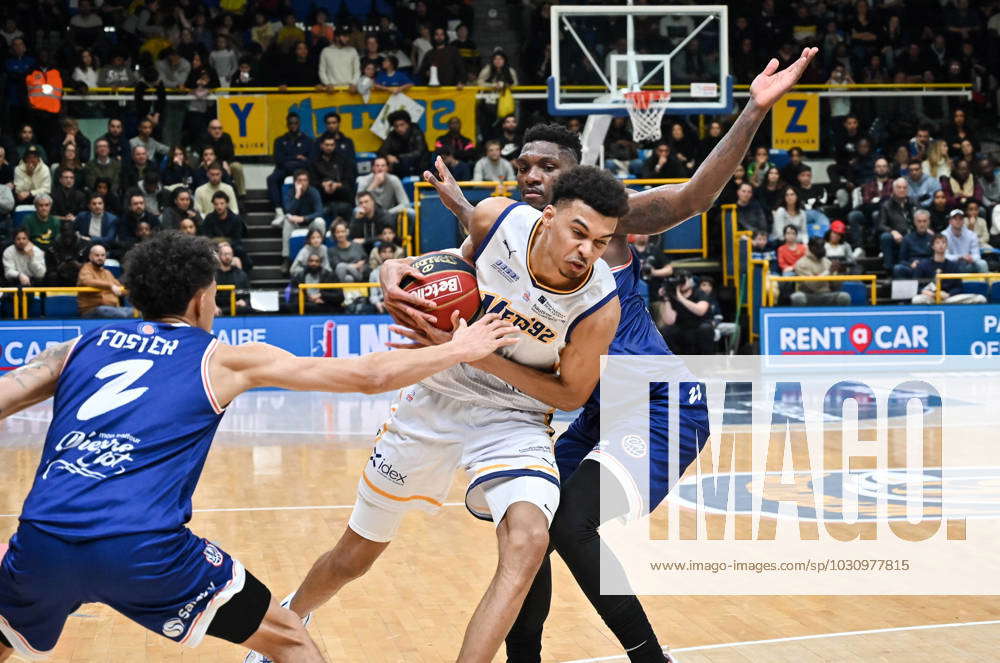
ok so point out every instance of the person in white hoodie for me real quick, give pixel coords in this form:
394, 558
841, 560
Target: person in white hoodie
339, 63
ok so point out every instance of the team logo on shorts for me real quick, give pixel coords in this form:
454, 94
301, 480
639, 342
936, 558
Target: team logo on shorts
174, 628
634, 446
213, 555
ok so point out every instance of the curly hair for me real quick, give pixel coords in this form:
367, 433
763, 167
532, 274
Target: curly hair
596, 187
164, 273
398, 115
558, 134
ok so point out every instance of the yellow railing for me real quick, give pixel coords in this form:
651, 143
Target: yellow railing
870, 278
17, 300
510, 186
327, 286
989, 277
76, 290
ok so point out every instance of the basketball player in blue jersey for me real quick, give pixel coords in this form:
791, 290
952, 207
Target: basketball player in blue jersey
549, 151
136, 406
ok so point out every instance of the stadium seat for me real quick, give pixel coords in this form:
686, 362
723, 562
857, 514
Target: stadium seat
778, 157
61, 306
364, 162
296, 242
113, 266
20, 212
974, 288
857, 290
287, 185
408, 183
994, 292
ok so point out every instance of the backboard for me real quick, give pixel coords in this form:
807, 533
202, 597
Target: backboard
599, 52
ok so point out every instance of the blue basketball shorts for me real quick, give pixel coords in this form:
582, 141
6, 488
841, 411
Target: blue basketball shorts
172, 583
582, 440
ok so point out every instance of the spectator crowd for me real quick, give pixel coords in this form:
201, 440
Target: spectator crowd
891, 177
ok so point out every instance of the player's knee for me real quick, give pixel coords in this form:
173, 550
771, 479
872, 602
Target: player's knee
524, 545
285, 634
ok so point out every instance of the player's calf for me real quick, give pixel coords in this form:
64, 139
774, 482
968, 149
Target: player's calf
283, 638
5, 651
348, 560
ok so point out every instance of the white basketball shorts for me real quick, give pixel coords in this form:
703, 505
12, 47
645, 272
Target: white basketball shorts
507, 454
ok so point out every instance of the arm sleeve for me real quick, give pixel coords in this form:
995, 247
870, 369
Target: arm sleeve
44, 181
402, 200
477, 172
315, 203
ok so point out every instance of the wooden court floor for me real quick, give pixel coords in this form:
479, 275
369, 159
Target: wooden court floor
277, 491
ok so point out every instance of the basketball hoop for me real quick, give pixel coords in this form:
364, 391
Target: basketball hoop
646, 108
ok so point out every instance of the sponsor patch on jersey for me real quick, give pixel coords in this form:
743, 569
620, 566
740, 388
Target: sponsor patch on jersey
505, 270
544, 308
173, 628
146, 328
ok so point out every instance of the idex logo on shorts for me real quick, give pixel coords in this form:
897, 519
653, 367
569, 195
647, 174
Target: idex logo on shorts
385, 468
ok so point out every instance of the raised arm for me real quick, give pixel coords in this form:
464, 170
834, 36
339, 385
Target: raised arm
579, 363
33, 382
663, 207
236, 369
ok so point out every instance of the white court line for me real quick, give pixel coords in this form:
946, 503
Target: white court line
798, 638
318, 507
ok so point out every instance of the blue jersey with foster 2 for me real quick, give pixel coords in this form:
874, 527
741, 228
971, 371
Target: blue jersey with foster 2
133, 418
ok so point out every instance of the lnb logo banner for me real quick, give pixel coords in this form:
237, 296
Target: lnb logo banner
733, 475
834, 333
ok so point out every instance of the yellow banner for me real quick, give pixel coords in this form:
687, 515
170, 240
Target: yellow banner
245, 119
795, 122
356, 116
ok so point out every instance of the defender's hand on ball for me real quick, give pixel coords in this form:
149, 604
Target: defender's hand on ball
482, 338
771, 84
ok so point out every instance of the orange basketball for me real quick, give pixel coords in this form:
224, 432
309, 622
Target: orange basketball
450, 282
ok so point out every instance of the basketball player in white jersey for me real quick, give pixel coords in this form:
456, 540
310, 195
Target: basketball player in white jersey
542, 271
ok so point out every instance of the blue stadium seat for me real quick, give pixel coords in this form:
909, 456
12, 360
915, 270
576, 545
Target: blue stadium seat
20, 212
857, 290
296, 242
287, 185
364, 162
61, 306
778, 157
408, 183
995, 292
974, 288
113, 266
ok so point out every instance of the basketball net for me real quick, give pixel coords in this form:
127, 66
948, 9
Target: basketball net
646, 108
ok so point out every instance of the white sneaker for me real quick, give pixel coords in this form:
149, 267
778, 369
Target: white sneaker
279, 217
257, 657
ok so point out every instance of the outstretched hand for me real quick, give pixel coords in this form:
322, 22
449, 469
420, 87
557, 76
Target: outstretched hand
771, 84
446, 186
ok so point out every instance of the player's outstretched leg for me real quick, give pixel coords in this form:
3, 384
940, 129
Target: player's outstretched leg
349, 559
523, 539
283, 638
